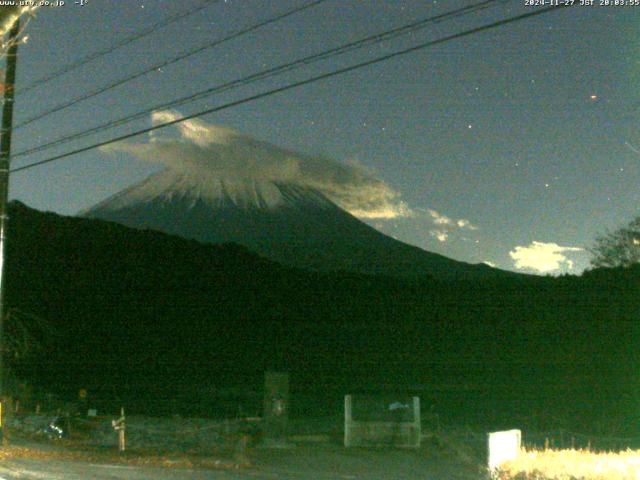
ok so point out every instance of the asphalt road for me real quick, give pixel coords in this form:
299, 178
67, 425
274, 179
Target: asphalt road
297, 464
70, 470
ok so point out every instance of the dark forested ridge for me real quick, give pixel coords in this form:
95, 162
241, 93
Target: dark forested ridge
165, 324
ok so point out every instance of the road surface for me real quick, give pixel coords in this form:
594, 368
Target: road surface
300, 463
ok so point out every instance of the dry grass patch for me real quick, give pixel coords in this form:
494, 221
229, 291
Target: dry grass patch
572, 465
134, 457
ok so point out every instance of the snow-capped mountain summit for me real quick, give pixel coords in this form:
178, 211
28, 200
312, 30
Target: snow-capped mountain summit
244, 193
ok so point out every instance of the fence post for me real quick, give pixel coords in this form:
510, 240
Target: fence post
119, 426
121, 437
348, 420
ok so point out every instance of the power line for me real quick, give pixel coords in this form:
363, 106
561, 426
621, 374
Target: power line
122, 43
268, 73
291, 86
171, 61
373, 39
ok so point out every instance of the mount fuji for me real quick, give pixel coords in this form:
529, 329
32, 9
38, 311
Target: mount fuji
221, 186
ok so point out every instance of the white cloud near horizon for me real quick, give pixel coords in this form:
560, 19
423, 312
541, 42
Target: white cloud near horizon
462, 223
445, 226
427, 222
542, 257
438, 218
441, 235
441, 219
204, 150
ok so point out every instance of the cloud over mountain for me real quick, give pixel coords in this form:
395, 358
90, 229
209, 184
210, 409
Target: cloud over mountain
202, 150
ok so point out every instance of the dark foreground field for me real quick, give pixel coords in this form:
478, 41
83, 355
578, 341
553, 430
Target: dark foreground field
444, 457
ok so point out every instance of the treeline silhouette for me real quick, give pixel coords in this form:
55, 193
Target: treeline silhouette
166, 325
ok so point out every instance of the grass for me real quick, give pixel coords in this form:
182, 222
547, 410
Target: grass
572, 465
134, 457
33, 447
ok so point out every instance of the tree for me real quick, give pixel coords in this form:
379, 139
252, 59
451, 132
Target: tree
25, 339
620, 248
25, 335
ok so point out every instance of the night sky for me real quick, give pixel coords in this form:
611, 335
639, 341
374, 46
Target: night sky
516, 146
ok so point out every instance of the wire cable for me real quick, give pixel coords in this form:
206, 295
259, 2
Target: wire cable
293, 85
171, 61
268, 73
122, 43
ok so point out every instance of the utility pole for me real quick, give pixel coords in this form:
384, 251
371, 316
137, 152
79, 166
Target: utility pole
5, 153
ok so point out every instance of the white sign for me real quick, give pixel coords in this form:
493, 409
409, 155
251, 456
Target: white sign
503, 446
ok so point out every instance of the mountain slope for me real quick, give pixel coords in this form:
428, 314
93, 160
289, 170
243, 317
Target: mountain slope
292, 224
